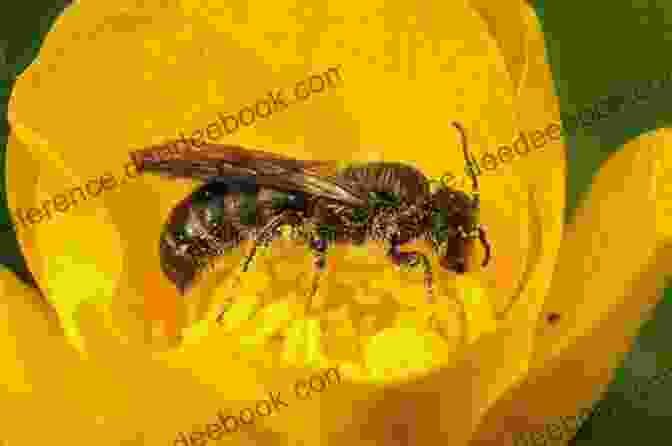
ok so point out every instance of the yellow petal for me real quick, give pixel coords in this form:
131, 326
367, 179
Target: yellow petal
664, 187
506, 23
503, 355
40, 368
606, 283
15, 370
479, 310
69, 245
423, 351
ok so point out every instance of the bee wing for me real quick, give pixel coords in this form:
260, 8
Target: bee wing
212, 161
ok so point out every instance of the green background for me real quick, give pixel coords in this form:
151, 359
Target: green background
595, 50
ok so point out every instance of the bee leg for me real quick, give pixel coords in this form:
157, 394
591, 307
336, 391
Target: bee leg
483, 237
264, 235
318, 246
413, 259
251, 255
226, 307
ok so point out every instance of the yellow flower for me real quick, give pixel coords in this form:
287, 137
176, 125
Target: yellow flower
480, 354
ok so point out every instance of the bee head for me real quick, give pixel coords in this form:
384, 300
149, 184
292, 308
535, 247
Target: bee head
454, 229
455, 225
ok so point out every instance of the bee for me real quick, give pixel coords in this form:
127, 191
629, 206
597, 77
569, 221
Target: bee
251, 194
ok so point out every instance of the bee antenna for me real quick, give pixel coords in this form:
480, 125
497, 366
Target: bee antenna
467, 158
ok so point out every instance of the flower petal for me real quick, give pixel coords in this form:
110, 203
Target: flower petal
605, 284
